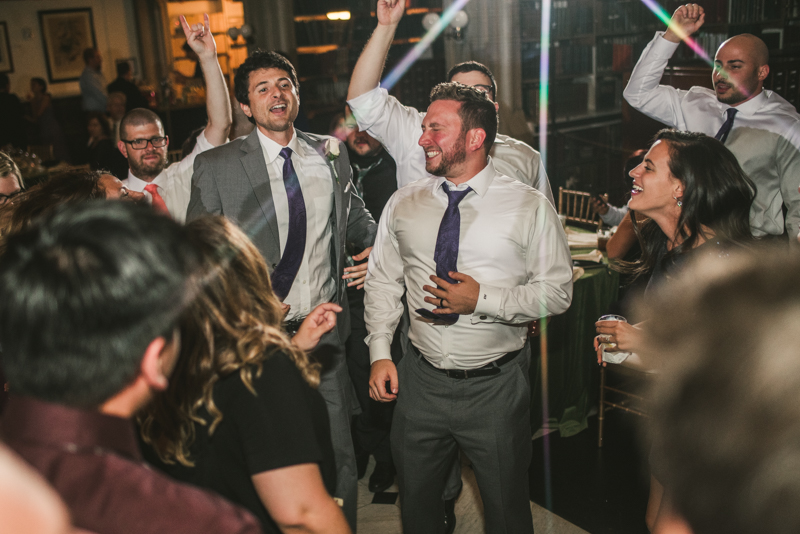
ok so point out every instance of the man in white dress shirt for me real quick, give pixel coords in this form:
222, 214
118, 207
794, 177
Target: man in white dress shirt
397, 127
501, 260
758, 126
143, 142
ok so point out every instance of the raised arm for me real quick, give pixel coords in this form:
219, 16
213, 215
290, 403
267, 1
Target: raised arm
369, 67
643, 92
218, 106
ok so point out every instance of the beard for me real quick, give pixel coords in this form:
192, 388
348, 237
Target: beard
148, 170
455, 156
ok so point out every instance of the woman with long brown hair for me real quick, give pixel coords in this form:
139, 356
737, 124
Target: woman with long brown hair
241, 415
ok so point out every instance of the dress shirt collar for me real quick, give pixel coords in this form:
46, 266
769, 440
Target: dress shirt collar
272, 149
137, 184
479, 183
34, 421
750, 107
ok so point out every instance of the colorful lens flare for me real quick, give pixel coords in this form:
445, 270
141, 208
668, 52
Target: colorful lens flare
665, 17
415, 53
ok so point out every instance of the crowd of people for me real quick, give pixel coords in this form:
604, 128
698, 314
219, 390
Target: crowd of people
220, 344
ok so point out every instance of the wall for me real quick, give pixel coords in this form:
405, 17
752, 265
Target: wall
114, 27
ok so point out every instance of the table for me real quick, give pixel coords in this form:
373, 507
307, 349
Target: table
571, 362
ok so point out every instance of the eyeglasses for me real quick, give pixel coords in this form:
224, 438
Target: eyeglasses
485, 88
4, 199
141, 144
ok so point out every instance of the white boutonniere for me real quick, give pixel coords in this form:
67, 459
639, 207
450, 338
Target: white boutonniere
332, 153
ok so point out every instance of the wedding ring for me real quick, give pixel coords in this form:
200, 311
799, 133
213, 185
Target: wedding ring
605, 338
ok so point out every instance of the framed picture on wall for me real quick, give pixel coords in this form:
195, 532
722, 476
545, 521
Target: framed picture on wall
66, 33
6, 64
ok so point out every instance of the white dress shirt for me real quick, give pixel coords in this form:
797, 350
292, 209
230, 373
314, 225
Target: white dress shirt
511, 243
399, 128
175, 182
314, 283
765, 137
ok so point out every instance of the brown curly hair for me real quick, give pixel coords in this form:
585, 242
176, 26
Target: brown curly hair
233, 324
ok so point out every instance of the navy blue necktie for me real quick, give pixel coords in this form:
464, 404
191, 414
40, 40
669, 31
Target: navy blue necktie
723, 132
446, 253
284, 274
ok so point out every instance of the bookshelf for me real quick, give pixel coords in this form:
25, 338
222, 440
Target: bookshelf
594, 46
327, 51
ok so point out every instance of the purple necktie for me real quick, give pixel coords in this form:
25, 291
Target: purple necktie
286, 270
725, 129
446, 253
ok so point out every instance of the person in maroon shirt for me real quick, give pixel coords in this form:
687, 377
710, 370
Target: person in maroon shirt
91, 296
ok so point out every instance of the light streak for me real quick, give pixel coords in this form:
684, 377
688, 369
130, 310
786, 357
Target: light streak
415, 53
665, 17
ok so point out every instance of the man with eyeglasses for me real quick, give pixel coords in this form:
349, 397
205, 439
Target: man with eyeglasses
143, 142
398, 127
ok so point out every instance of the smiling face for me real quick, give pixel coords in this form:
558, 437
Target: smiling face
738, 73
148, 162
443, 139
273, 101
655, 191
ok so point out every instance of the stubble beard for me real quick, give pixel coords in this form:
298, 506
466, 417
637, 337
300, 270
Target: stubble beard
449, 159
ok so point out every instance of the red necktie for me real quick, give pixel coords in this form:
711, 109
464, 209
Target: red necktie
158, 201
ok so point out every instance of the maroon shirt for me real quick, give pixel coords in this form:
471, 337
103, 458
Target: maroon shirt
94, 463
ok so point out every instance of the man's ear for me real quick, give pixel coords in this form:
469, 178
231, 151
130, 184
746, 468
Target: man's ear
122, 148
475, 139
497, 107
152, 366
763, 72
246, 109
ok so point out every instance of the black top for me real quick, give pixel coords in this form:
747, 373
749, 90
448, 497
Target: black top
285, 424
375, 178
104, 156
133, 96
12, 123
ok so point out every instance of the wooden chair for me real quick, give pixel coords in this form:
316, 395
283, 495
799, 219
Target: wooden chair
577, 206
174, 156
623, 395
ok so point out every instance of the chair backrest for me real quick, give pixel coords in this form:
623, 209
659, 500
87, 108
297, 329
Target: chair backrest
174, 156
45, 152
577, 206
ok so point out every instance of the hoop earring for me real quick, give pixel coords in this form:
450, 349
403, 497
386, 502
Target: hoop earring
678, 201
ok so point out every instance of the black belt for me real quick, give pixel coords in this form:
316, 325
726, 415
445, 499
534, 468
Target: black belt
291, 327
491, 368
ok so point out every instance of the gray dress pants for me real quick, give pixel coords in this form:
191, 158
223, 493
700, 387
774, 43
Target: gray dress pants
337, 390
488, 418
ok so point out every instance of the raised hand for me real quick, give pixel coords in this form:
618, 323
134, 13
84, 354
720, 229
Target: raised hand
390, 11
685, 21
199, 38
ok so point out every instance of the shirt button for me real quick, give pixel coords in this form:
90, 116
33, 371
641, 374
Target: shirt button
483, 317
304, 282
446, 355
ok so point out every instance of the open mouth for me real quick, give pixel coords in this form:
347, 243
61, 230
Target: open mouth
722, 87
430, 153
636, 189
279, 109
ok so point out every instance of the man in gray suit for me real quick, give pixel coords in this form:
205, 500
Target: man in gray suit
292, 193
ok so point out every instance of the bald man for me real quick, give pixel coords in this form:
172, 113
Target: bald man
758, 126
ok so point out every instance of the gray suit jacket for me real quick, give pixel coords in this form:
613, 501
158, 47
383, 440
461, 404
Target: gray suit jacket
232, 180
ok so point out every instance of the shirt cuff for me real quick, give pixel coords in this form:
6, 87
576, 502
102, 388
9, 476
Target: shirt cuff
380, 349
664, 48
366, 107
488, 306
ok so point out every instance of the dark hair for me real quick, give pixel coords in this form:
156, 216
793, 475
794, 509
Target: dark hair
232, 326
41, 82
725, 416
5, 81
66, 188
84, 292
123, 68
260, 59
191, 142
138, 117
474, 66
102, 119
88, 54
716, 194
476, 110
